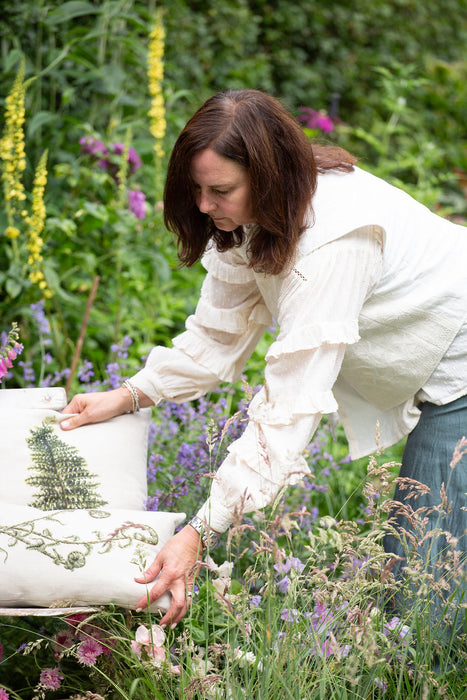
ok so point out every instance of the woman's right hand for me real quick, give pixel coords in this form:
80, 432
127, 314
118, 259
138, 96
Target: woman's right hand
96, 407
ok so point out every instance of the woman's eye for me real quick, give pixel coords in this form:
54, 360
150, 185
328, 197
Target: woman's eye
220, 192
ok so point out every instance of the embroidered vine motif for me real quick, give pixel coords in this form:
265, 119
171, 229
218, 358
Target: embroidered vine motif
71, 551
297, 272
60, 472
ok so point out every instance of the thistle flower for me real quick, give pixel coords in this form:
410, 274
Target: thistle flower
35, 225
12, 150
155, 77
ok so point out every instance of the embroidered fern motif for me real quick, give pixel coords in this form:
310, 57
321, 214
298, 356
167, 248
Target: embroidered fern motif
61, 476
71, 551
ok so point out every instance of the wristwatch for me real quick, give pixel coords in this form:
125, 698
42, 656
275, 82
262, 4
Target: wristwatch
209, 538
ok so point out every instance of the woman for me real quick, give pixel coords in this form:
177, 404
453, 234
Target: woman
369, 290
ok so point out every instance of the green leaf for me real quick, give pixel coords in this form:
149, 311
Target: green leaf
13, 288
70, 10
40, 119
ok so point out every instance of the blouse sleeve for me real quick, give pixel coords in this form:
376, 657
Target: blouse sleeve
318, 307
229, 320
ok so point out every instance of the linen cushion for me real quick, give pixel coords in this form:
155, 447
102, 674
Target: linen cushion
41, 465
79, 557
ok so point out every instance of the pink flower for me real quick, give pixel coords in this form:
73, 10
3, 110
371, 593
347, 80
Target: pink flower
316, 120
3, 367
51, 678
62, 640
75, 619
151, 641
88, 651
3, 694
137, 203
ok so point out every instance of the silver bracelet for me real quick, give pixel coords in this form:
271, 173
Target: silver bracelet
209, 538
134, 395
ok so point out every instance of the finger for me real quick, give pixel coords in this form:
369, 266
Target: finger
150, 573
176, 612
68, 422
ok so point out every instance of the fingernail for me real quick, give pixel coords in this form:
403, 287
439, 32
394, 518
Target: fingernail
139, 610
163, 626
172, 627
65, 423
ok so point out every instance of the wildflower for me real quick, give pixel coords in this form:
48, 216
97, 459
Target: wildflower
314, 119
137, 203
51, 678
12, 149
289, 615
290, 563
85, 372
155, 77
3, 694
245, 658
283, 584
62, 640
11, 232
88, 652
223, 570
92, 146
255, 601
151, 641
10, 348
381, 684
35, 225
134, 161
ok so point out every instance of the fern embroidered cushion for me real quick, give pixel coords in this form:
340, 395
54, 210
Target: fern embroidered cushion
79, 557
103, 464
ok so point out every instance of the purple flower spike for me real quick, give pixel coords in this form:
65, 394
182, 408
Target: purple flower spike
137, 203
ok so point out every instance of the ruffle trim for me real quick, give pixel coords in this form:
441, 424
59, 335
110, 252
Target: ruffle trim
224, 271
209, 355
310, 337
289, 410
291, 469
236, 320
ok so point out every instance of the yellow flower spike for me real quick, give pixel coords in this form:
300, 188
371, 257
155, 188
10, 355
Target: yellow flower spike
35, 223
12, 148
155, 77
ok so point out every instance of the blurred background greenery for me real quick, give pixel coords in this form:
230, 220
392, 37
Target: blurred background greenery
391, 73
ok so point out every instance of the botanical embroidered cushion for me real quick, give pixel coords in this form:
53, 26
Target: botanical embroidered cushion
103, 464
79, 557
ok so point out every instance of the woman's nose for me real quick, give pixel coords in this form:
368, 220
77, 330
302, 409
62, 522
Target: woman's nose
205, 202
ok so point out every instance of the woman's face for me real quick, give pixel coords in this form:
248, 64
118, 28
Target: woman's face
222, 190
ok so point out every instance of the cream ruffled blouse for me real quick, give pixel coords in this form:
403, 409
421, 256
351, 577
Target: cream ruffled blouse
371, 318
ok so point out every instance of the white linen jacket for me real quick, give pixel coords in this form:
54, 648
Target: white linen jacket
367, 313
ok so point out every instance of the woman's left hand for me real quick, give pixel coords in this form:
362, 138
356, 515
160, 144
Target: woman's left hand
176, 564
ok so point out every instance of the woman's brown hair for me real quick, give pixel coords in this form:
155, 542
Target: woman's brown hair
257, 132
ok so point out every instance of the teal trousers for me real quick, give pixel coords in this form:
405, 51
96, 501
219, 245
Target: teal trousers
428, 459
